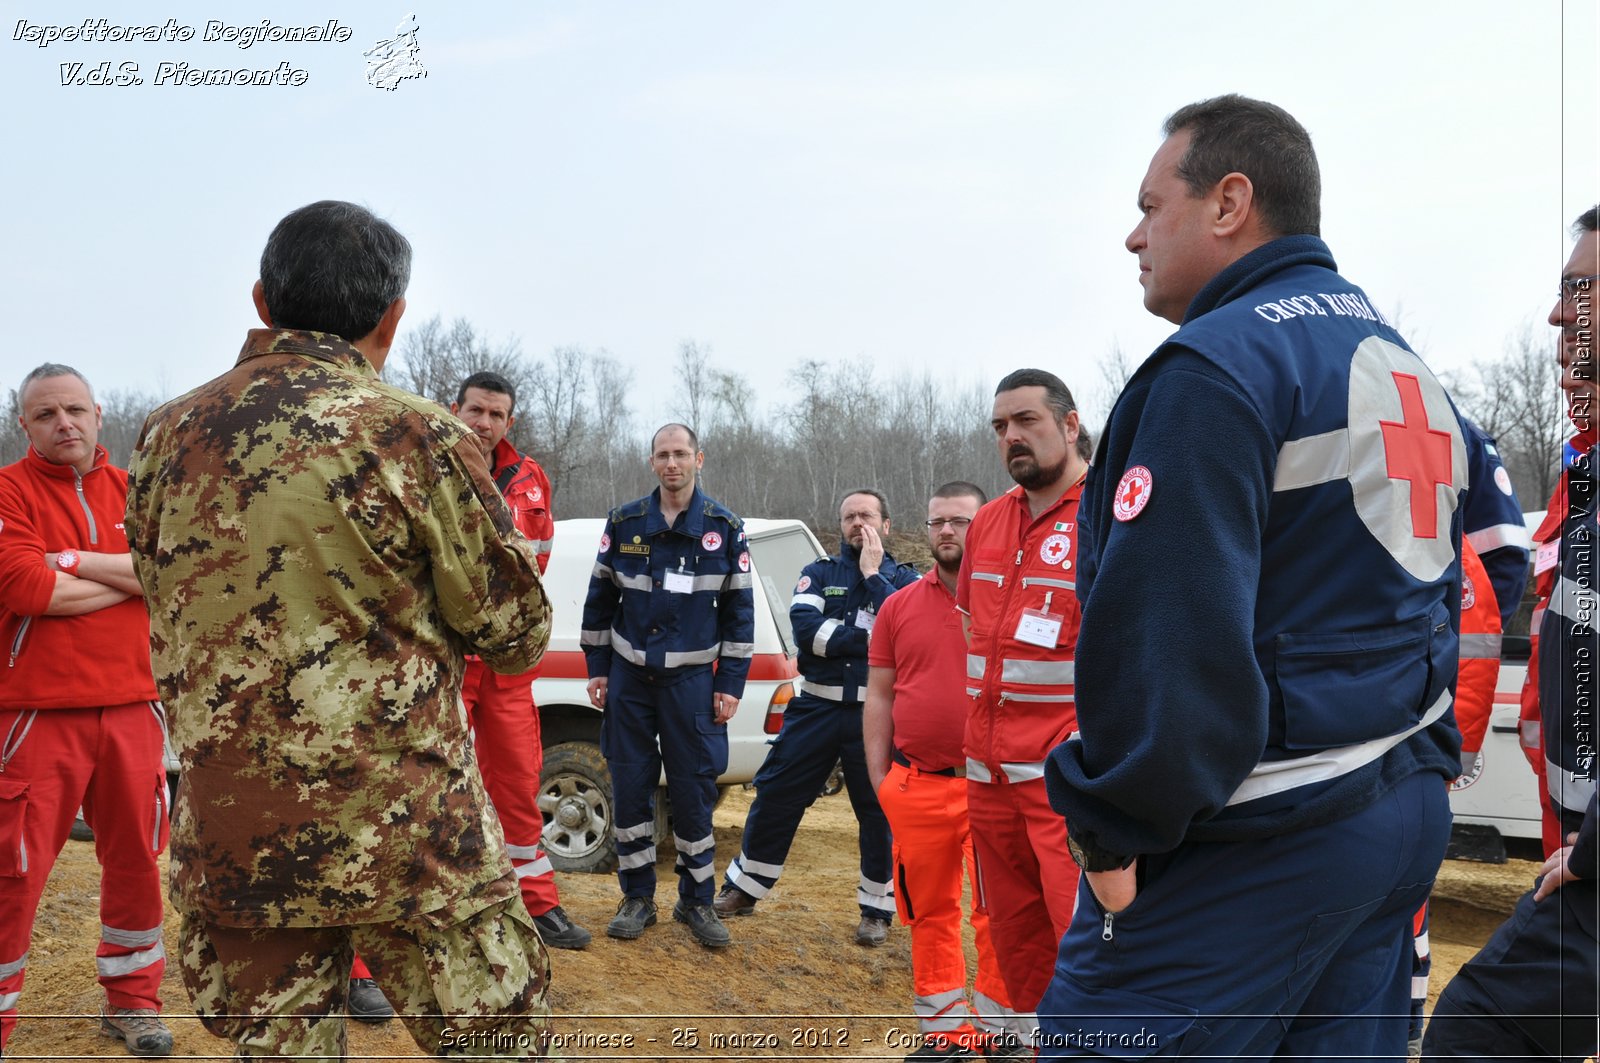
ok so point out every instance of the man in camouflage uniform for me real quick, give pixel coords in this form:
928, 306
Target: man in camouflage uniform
320, 551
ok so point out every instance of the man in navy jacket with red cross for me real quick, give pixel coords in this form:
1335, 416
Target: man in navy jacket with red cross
1265, 666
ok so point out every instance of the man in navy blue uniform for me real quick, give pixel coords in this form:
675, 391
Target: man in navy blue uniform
1492, 522
668, 632
833, 609
1269, 635
1531, 992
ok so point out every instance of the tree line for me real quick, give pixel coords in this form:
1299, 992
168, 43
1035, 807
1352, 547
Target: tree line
837, 425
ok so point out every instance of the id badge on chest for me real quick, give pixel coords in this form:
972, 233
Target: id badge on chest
865, 620
1548, 557
679, 582
1039, 627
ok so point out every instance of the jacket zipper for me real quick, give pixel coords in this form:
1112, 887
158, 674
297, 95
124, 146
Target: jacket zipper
94, 535
993, 678
16, 643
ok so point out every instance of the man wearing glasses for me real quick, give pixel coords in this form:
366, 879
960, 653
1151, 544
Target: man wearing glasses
915, 714
833, 611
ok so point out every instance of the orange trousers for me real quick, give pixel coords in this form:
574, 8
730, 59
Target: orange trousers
927, 814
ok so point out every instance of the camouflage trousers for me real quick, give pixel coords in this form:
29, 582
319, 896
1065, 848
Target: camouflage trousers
473, 987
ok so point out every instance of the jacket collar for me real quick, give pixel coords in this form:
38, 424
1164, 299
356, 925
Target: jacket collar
66, 472
1247, 272
693, 516
323, 346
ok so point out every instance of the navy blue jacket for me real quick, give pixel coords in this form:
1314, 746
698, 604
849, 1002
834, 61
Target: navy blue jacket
631, 612
1492, 521
1268, 588
832, 610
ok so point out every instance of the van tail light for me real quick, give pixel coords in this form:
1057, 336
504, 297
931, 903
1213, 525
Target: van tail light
775, 707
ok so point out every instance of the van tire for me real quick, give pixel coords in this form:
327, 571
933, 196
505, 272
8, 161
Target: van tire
575, 803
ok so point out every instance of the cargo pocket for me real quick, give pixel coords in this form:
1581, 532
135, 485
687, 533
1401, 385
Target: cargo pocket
1110, 1023
1342, 688
713, 741
13, 818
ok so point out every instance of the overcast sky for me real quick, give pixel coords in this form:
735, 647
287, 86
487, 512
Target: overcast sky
907, 185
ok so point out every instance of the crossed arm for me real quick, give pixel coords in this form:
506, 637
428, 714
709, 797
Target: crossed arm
102, 580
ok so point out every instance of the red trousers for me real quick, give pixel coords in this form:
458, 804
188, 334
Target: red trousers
109, 762
928, 816
505, 737
1029, 881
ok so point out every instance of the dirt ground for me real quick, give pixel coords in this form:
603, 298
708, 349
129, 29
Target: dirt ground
793, 984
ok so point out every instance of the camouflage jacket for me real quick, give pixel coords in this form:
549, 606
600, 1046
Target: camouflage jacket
319, 550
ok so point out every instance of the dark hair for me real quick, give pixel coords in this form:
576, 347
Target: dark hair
1056, 396
487, 381
961, 489
1235, 134
333, 267
53, 369
1588, 221
694, 440
883, 503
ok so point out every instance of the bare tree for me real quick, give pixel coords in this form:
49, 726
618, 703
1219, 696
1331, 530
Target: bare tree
434, 358
1515, 398
695, 382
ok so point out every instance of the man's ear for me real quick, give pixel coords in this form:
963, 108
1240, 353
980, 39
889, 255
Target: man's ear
1235, 199
389, 324
259, 295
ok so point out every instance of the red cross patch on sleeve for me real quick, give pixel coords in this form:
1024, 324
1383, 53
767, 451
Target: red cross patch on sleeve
1133, 493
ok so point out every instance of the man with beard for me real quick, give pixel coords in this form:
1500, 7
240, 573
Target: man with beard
1016, 589
833, 610
913, 721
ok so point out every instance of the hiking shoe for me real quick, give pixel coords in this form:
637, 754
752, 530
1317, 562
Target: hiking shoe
141, 1028
934, 1047
703, 924
1005, 1046
734, 901
633, 915
559, 931
872, 931
367, 1002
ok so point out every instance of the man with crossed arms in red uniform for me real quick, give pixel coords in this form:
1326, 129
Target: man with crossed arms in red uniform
1017, 589
505, 723
912, 724
79, 719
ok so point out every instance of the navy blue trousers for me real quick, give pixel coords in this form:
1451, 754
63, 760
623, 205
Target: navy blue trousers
816, 734
1297, 946
677, 712
1531, 991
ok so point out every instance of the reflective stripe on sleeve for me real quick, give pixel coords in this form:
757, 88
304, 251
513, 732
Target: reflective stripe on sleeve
1575, 602
738, 649
591, 637
819, 645
1568, 790
807, 601
1493, 538
1480, 646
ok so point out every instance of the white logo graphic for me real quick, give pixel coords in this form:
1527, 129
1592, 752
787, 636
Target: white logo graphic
1502, 480
1408, 462
605, 542
1054, 550
395, 60
1469, 597
805, 581
744, 561
711, 541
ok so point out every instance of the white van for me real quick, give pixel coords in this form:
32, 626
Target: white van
575, 785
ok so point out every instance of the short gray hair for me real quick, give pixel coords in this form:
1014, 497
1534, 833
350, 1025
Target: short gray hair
52, 369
